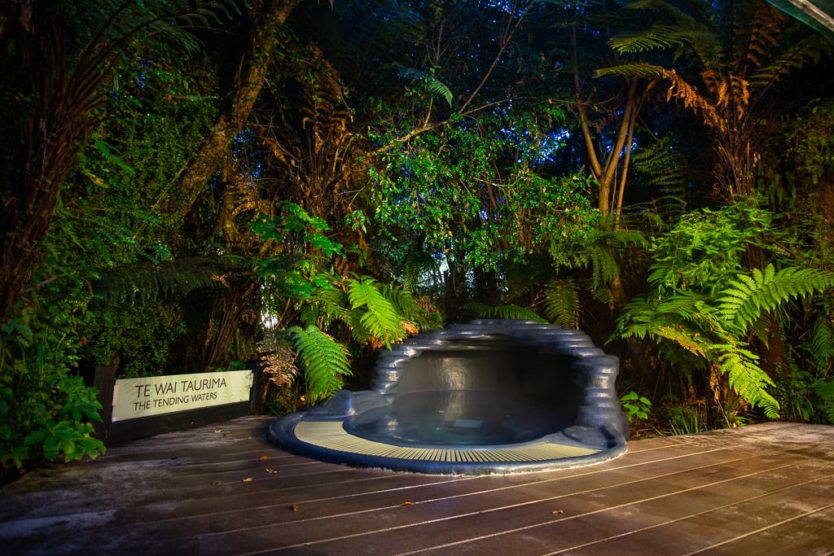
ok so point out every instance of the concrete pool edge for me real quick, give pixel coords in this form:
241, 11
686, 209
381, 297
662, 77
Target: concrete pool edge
282, 432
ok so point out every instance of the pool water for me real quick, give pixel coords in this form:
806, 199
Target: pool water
459, 418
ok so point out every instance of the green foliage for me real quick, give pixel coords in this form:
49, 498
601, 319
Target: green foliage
636, 407
426, 80
704, 249
473, 190
561, 302
504, 312
324, 361
686, 420
760, 292
705, 305
378, 317
44, 412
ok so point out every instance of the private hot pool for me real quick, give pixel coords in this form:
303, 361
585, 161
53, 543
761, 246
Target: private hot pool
489, 396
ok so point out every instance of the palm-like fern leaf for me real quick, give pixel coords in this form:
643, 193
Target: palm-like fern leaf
380, 318
324, 360
326, 305
635, 69
561, 303
152, 281
427, 80
751, 295
747, 378
822, 344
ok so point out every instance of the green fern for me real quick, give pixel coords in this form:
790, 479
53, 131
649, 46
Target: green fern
325, 306
428, 81
822, 344
561, 302
408, 308
751, 295
746, 377
825, 390
153, 281
662, 167
503, 312
379, 317
633, 69
323, 359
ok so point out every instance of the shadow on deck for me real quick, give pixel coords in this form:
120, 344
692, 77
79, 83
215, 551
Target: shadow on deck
223, 489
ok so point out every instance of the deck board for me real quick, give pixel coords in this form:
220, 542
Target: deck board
766, 488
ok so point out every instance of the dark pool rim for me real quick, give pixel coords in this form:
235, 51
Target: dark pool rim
282, 432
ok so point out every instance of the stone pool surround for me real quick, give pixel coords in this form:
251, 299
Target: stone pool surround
598, 431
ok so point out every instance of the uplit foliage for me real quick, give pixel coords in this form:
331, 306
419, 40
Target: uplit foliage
476, 191
704, 302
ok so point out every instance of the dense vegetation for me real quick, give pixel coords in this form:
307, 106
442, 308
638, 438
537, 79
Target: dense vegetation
189, 185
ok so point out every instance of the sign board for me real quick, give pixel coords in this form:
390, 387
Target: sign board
143, 397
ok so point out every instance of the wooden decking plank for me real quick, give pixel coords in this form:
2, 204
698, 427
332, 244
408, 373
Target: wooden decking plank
185, 493
808, 533
470, 524
428, 521
573, 532
731, 522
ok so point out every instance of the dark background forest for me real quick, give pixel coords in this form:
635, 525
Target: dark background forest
193, 185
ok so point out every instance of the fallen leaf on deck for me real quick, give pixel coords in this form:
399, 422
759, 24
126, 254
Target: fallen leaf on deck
215, 483
295, 507
407, 503
264, 458
271, 470
218, 430
557, 512
248, 480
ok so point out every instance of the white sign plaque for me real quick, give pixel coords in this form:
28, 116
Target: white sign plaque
143, 397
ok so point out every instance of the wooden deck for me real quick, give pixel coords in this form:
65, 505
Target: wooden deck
222, 489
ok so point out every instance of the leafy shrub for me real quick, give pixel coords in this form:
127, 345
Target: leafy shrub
44, 412
636, 407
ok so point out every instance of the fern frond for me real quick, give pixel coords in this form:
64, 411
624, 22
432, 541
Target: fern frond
326, 305
152, 281
693, 100
661, 165
747, 378
822, 345
324, 360
759, 292
503, 312
636, 69
658, 37
380, 318
561, 302
825, 390
427, 79
804, 52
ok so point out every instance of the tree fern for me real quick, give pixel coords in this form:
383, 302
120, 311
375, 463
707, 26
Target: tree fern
379, 317
323, 359
758, 292
561, 302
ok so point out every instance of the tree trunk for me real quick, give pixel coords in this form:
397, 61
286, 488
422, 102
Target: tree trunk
58, 125
232, 120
